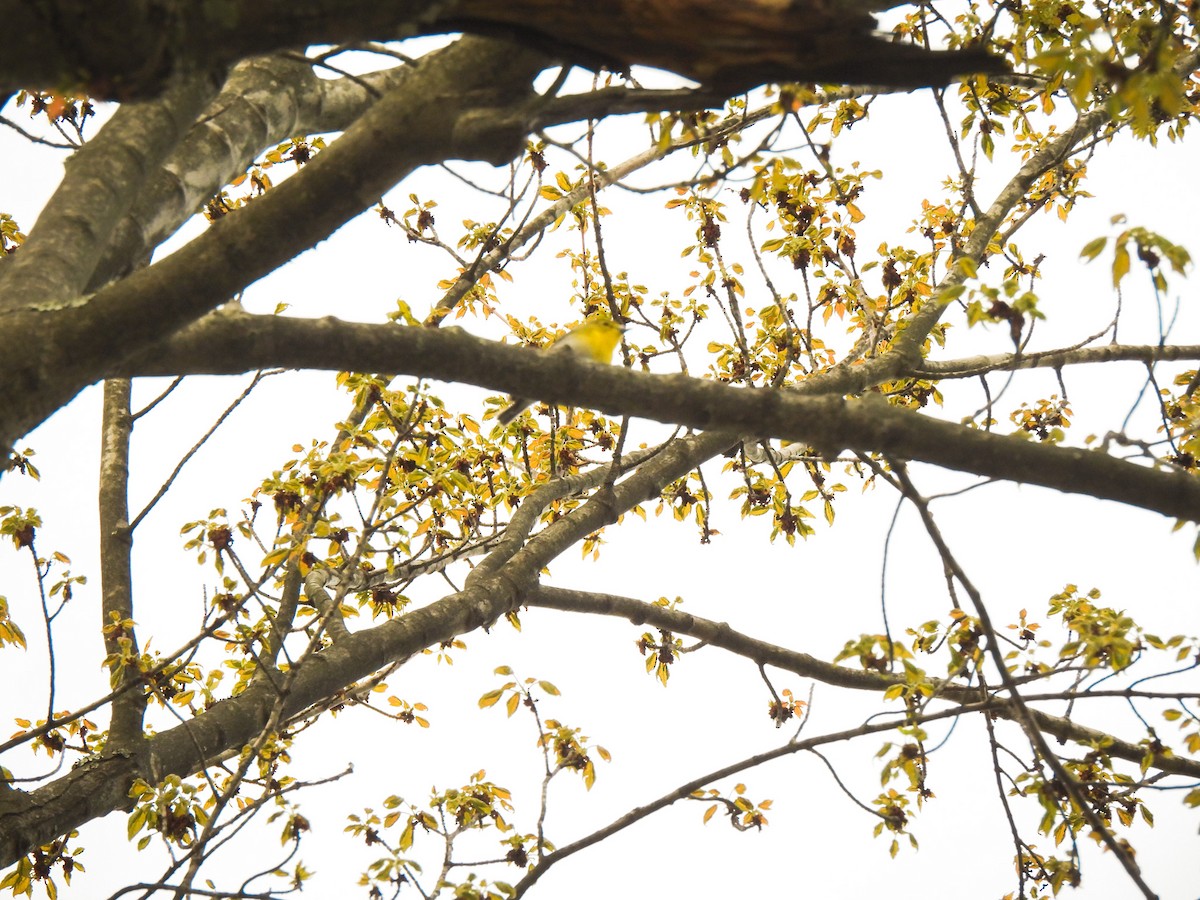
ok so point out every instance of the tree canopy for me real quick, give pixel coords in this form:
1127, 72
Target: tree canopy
801, 328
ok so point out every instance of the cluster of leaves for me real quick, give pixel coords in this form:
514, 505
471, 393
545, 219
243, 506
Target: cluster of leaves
563, 747
55, 741
660, 653
10, 631
38, 868
66, 114
475, 809
298, 150
173, 809
21, 526
11, 236
743, 812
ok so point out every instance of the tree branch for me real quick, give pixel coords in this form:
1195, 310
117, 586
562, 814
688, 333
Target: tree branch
128, 49
237, 342
447, 111
264, 101
719, 634
116, 576
98, 786
972, 366
101, 182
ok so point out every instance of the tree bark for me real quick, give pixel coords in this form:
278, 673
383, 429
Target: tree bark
126, 49
53, 350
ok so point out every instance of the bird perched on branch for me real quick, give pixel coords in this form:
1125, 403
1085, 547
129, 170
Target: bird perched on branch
593, 339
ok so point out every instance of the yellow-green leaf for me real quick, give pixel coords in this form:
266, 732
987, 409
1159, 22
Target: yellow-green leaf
1092, 249
1120, 264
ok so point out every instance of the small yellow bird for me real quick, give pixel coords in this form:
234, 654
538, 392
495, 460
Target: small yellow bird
595, 339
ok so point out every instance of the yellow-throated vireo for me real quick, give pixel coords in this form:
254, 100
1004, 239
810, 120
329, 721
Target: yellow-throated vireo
594, 339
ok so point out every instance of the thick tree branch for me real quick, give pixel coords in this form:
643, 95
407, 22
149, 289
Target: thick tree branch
264, 101
100, 786
116, 548
239, 342
447, 112
470, 99
101, 182
125, 49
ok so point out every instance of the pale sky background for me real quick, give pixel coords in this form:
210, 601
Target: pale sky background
1019, 544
